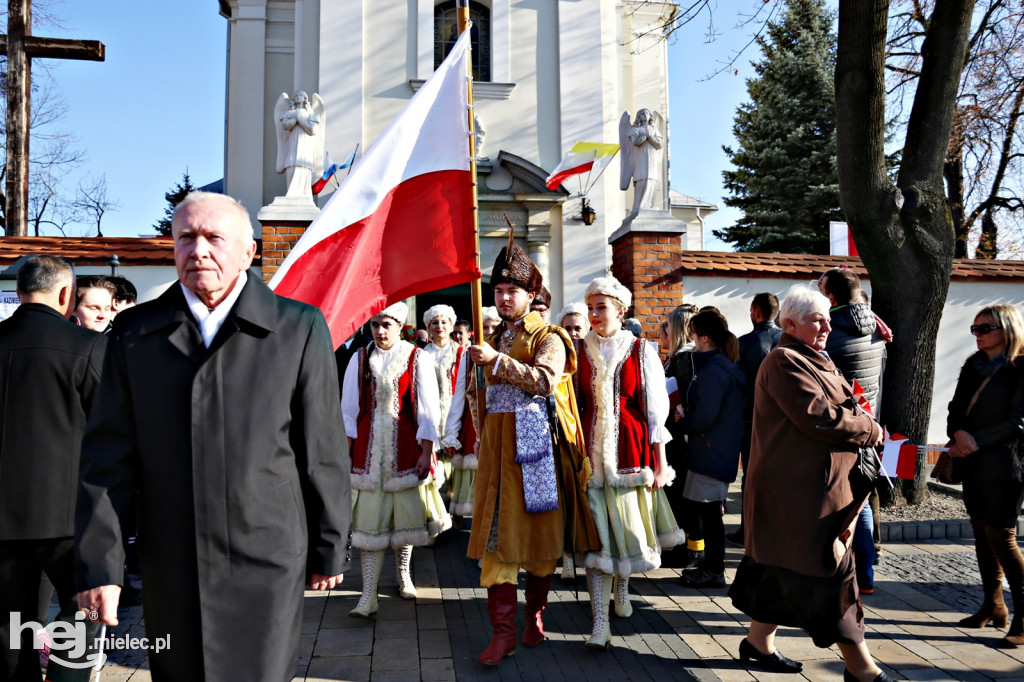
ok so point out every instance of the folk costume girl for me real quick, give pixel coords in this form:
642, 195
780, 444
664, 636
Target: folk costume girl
623, 405
390, 406
456, 425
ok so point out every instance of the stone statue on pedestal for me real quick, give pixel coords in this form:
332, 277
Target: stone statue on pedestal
641, 149
301, 131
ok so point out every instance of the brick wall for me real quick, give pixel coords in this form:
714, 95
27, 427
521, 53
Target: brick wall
646, 263
278, 240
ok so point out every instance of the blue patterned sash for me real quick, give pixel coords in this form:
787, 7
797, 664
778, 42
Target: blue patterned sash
534, 451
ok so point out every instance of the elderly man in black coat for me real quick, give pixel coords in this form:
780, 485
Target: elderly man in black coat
219, 409
49, 371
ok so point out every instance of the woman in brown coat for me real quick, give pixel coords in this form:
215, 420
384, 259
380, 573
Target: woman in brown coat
798, 569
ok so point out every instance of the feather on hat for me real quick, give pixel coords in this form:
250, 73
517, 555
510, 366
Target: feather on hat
513, 266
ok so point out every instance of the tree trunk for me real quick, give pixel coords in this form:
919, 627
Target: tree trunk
987, 247
904, 232
953, 171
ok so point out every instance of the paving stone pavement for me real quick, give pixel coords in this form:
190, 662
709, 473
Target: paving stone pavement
922, 589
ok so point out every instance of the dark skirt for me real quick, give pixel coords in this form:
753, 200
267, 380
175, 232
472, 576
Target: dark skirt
995, 502
828, 609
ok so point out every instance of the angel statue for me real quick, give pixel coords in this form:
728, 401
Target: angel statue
301, 130
640, 143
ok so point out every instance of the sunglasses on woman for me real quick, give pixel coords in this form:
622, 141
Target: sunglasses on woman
982, 329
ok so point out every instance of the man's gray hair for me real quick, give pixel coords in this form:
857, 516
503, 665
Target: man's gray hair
199, 196
800, 301
44, 274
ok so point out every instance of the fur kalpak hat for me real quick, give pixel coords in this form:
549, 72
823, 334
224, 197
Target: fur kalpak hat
439, 310
491, 313
574, 308
609, 286
513, 266
396, 311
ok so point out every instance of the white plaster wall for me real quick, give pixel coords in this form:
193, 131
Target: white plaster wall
954, 345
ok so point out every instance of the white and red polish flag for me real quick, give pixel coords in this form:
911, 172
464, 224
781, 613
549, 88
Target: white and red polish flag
402, 222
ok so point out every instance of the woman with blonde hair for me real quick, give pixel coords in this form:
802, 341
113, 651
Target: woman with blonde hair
986, 423
623, 406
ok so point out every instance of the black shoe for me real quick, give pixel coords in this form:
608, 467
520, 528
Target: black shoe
735, 537
881, 677
774, 662
702, 578
694, 558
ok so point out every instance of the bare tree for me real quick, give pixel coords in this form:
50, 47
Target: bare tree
91, 201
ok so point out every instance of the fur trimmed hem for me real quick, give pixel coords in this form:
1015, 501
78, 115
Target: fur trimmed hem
671, 476
675, 538
596, 561
394, 485
469, 462
462, 508
370, 543
416, 538
364, 482
605, 563
456, 461
644, 477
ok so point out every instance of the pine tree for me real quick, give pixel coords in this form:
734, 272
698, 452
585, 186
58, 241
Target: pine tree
785, 180
174, 197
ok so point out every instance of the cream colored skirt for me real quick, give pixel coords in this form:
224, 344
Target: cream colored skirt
634, 525
463, 489
408, 517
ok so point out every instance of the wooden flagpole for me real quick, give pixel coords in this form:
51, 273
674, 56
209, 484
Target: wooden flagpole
476, 291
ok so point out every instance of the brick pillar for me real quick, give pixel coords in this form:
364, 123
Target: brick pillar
645, 258
279, 236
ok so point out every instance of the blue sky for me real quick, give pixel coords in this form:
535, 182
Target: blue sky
156, 106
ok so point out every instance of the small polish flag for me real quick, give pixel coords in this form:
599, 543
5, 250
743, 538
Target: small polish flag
898, 450
859, 395
583, 157
330, 168
841, 240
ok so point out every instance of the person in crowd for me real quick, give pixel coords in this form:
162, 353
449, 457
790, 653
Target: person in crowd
422, 338
857, 348
986, 425
344, 353
675, 338
53, 367
542, 304
633, 326
391, 408
491, 322
449, 361
126, 296
798, 567
573, 319
241, 476
462, 333
712, 420
624, 406
754, 348
94, 303
531, 492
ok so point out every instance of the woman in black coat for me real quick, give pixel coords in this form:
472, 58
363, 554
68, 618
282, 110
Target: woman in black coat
986, 423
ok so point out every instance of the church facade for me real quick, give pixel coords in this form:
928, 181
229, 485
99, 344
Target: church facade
547, 74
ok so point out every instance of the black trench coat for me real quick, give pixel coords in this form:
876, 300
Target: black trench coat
236, 454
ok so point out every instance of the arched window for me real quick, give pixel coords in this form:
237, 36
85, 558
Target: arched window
446, 31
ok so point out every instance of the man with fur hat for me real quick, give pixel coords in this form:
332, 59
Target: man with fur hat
531, 492
390, 405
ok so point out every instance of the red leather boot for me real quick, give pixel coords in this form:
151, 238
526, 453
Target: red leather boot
536, 602
501, 605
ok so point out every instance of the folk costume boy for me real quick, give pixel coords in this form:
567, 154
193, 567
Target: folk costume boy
530, 494
391, 410
623, 405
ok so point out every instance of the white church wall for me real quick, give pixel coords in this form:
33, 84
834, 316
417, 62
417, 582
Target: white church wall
732, 296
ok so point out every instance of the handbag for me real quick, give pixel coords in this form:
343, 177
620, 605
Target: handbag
863, 475
944, 470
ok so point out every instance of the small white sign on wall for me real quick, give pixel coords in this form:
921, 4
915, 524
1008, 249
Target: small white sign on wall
8, 302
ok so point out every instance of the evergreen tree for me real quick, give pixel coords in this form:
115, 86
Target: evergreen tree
785, 180
174, 197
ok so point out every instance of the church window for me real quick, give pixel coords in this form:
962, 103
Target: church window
446, 31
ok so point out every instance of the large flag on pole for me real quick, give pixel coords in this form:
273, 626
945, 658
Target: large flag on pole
401, 222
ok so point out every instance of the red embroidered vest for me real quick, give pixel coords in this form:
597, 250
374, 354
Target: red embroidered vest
405, 450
